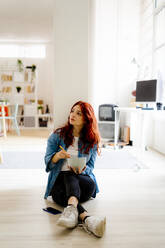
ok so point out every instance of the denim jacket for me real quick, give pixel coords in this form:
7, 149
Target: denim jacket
54, 141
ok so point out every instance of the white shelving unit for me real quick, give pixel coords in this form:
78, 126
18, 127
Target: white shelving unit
27, 97
107, 130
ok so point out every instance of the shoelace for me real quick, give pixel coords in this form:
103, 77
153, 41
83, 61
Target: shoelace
67, 211
82, 225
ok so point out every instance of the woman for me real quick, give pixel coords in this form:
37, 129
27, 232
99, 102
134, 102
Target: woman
67, 186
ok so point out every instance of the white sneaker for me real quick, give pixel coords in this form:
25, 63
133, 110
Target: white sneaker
95, 225
69, 217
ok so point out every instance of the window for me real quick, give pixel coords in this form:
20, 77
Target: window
22, 51
159, 47
153, 44
159, 3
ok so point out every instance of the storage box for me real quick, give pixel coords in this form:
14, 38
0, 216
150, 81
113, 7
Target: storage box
42, 123
29, 121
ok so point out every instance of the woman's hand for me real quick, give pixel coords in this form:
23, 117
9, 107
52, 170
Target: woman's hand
76, 170
63, 154
60, 155
80, 171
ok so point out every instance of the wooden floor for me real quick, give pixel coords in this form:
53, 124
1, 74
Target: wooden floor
132, 201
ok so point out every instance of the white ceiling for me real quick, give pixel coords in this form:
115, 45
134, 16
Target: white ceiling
26, 20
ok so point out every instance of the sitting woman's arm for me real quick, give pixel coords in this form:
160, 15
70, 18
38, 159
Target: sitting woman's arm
53, 154
91, 162
51, 150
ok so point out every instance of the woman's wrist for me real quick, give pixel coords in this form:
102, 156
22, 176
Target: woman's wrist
55, 158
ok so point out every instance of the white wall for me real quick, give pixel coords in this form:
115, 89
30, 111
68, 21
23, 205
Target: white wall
116, 43
45, 85
128, 48
146, 39
26, 20
102, 37
70, 56
104, 83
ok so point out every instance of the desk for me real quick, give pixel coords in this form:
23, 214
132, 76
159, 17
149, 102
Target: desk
3, 118
142, 121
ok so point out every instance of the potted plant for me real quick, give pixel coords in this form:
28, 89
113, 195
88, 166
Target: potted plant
40, 108
34, 68
18, 89
20, 65
33, 71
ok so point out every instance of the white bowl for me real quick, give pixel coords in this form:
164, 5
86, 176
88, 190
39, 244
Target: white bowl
77, 162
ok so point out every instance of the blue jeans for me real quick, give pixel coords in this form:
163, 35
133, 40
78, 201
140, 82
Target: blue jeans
70, 184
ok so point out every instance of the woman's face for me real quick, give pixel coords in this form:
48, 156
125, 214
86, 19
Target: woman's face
76, 116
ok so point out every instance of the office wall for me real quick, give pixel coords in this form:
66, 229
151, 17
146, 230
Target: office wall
70, 56
45, 84
26, 20
128, 48
116, 44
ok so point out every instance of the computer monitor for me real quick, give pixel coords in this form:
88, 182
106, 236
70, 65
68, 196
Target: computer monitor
107, 112
146, 91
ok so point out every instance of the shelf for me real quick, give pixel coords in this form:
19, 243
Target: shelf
107, 122
39, 116
27, 98
44, 115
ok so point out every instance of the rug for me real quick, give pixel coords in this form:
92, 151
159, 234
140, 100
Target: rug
118, 159
109, 159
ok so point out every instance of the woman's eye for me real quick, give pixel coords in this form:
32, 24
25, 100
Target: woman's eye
79, 113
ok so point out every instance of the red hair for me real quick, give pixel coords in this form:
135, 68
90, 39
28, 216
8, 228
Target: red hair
89, 135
